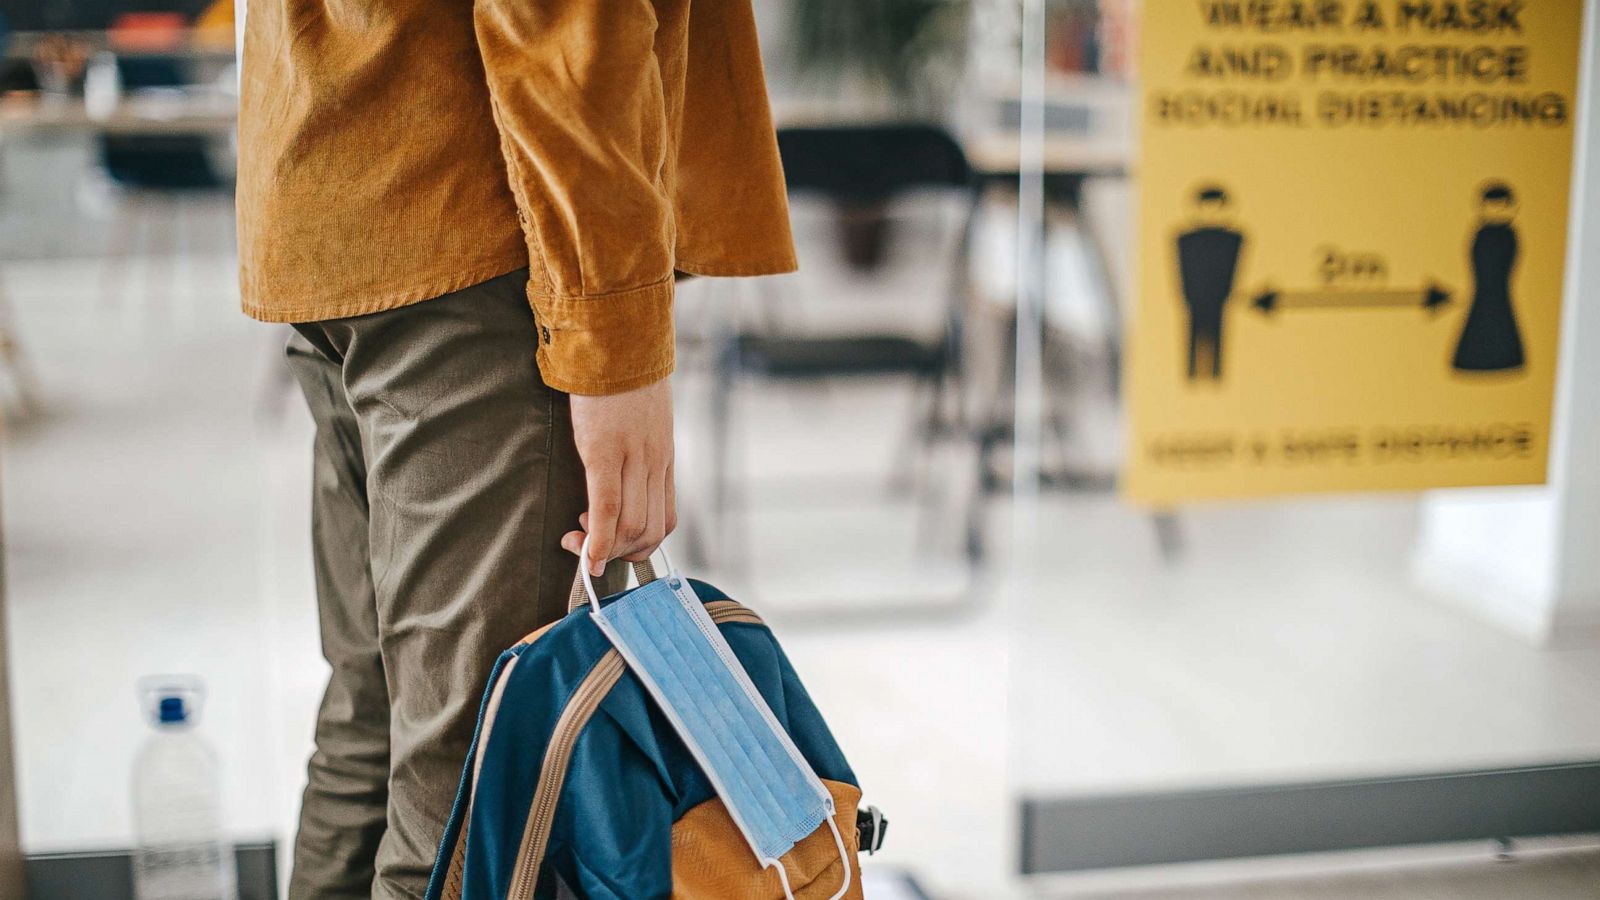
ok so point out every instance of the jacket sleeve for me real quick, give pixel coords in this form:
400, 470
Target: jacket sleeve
578, 99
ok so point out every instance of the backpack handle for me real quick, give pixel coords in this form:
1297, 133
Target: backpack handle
644, 571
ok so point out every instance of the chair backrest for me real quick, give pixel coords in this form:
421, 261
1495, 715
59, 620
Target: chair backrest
172, 162
871, 162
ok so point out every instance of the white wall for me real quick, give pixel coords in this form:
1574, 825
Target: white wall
1577, 459
1529, 559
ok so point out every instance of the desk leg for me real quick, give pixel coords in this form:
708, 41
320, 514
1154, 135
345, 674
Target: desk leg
1100, 260
15, 360
11, 881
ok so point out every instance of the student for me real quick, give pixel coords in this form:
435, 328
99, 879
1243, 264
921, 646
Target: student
473, 214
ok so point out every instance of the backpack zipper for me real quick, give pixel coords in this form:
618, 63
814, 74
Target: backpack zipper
553, 769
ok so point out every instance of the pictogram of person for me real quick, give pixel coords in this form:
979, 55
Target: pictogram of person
1208, 260
1490, 340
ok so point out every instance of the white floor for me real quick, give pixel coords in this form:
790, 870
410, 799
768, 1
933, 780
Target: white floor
1286, 643
155, 521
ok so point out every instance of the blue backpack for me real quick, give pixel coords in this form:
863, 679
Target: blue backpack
577, 786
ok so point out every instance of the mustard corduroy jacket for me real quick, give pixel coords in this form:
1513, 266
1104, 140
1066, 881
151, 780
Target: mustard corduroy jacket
391, 151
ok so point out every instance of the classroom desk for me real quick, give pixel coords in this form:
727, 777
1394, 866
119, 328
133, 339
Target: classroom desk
155, 114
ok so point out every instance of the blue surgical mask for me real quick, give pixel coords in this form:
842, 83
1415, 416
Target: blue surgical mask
670, 643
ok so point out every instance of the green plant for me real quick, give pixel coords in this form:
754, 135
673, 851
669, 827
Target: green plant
909, 47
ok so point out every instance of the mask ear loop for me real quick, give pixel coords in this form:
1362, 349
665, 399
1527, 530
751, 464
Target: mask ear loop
588, 582
782, 876
844, 860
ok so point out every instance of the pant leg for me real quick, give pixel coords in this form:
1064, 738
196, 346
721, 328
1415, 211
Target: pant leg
343, 811
1194, 349
1216, 350
1205, 343
472, 479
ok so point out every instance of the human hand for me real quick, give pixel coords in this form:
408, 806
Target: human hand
625, 441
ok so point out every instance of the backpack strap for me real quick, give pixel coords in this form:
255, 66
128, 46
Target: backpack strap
581, 706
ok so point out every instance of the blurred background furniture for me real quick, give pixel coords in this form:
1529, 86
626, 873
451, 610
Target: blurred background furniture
11, 882
22, 384
860, 170
156, 168
1087, 146
167, 134
154, 94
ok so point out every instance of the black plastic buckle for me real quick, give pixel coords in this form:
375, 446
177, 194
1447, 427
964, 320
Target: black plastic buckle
871, 825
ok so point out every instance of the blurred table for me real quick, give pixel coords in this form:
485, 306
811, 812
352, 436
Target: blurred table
1070, 159
995, 155
154, 113
214, 45
165, 113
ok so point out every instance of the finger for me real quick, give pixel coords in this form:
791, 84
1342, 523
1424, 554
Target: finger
656, 520
671, 495
605, 504
635, 517
572, 541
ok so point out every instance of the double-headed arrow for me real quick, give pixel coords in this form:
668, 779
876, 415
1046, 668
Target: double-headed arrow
1430, 298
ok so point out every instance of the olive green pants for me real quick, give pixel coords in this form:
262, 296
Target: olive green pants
445, 475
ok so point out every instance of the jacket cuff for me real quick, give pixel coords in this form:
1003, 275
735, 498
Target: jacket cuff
606, 343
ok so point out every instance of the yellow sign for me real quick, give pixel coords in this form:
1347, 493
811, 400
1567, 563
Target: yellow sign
1352, 229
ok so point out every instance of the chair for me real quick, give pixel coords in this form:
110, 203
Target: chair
156, 173
858, 166
170, 162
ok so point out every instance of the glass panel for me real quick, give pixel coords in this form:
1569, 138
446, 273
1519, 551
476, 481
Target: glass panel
1184, 656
